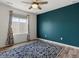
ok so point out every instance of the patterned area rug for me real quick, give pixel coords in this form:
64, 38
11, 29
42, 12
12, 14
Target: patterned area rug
37, 49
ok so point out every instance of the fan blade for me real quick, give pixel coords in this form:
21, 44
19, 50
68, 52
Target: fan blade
39, 7
43, 2
27, 2
30, 7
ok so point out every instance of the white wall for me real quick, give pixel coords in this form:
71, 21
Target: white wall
4, 20
33, 25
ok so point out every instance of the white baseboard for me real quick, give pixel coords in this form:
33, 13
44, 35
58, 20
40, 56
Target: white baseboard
62, 44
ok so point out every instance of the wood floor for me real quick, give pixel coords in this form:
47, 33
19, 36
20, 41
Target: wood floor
69, 52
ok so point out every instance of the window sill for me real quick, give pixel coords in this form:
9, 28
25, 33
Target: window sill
19, 33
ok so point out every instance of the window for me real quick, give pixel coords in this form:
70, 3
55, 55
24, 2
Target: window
19, 25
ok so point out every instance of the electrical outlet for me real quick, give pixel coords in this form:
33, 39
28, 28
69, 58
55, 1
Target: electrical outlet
61, 38
45, 35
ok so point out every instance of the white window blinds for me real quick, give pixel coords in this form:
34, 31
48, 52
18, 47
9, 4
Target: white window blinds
19, 25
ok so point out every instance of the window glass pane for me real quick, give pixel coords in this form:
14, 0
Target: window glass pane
19, 25
15, 27
22, 20
15, 19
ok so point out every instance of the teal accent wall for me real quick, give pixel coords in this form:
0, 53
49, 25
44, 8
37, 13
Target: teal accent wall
63, 22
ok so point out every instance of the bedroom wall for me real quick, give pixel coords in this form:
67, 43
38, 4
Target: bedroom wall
4, 20
61, 25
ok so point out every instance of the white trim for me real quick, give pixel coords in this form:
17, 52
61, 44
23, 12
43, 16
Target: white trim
62, 44
19, 33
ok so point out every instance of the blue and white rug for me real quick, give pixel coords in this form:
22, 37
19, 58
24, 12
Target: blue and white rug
37, 49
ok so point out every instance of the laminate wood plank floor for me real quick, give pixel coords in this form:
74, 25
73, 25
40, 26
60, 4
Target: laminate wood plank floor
69, 52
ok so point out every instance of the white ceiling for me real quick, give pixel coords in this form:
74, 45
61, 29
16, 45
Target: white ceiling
52, 5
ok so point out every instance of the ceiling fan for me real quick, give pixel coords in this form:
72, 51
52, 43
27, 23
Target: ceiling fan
36, 4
